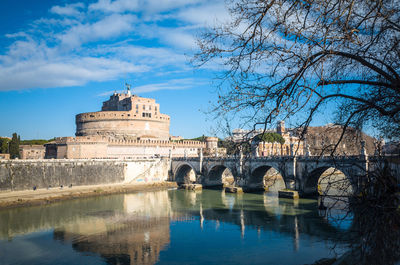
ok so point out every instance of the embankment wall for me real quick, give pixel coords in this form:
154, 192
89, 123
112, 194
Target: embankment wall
24, 175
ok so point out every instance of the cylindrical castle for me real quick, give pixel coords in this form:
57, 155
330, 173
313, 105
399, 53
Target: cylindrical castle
125, 116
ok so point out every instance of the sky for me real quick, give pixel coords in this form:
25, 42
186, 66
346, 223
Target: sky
59, 58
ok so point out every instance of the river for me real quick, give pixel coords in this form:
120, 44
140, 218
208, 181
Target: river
169, 227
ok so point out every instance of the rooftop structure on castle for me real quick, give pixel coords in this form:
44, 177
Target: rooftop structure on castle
125, 116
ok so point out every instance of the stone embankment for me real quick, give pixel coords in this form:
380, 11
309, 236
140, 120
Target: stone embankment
36, 174
26, 182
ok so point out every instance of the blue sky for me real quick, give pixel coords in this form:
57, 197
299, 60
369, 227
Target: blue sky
59, 58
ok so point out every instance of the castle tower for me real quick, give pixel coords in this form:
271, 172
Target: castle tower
280, 128
125, 116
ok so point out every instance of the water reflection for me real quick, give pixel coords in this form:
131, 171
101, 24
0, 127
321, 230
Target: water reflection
153, 227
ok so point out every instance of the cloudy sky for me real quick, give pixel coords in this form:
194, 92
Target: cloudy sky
59, 58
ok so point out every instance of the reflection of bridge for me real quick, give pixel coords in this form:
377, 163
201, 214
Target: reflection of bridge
298, 172
257, 210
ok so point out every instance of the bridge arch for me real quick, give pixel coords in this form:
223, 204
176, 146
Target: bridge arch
219, 175
329, 180
185, 174
266, 176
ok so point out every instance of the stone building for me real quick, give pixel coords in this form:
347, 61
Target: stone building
212, 149
323, 139
319, 140
31, 151
292, 146
128, 126
125, 116
4, 156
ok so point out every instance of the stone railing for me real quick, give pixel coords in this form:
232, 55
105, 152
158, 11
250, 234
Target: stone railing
64, 160
160, 143
81, 139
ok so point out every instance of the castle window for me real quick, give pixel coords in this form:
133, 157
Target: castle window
144, 107
137, 106
150, 107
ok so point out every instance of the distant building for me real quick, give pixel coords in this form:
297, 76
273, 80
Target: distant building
320, 140
31, 151
391, 148
125, 116
212, 148
128, 126
4, 156
292, 146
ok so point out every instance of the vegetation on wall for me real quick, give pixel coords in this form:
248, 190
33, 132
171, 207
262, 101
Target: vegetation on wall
35, 141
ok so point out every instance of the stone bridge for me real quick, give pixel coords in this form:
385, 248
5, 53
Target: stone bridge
300, 173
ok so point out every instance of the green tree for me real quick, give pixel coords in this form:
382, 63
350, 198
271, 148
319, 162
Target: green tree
4, 142
270, 137
14, 146
233, 147
36, 141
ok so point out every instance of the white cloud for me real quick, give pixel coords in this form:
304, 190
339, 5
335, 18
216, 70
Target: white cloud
108, 27
173, 84
177, 38
105, 41
205, 15
114, 6
148, 6
44, 74
152, 56
68, 10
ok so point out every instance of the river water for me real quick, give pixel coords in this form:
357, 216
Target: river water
170, 227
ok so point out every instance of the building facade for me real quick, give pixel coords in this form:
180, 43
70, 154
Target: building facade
125, 116
293, 145
127, 126
31, 151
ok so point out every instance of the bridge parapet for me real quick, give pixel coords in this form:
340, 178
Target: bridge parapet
297, 171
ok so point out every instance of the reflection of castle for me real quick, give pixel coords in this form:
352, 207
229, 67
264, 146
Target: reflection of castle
135, 237
127, 126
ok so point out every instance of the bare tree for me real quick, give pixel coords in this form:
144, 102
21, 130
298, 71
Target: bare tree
285, 57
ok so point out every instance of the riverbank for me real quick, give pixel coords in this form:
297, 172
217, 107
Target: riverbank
11, 199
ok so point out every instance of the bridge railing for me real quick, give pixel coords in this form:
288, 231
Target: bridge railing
302, 157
